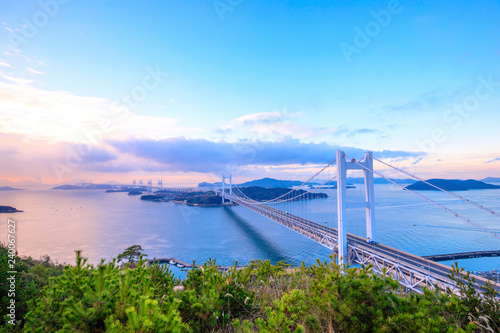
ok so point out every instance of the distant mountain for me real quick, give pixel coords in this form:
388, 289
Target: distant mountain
86, 187
491, 180
260, 193
264, 182
112, 182
451, 185
68, 187
360, 180
99, 187
8, 188
270, 182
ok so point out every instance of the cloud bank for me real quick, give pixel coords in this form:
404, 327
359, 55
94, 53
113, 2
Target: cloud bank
200, 155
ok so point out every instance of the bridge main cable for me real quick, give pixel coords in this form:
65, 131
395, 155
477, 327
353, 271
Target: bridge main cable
307, 181
255, 202
446, 209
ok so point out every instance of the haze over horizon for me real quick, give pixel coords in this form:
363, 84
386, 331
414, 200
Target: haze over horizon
109, 90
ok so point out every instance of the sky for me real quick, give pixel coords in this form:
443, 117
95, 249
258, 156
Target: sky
188, 91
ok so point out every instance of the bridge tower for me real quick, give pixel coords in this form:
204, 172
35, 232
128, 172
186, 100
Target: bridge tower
365, 164
150, 186
134, 182
160, 184
230, 178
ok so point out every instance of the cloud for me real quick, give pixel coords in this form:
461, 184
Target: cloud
256, 120
428, 100
7, 149
34, 71
362, 131
60, 116
17, 80
273, 126
349, 133
493, 160
200, 155
4, 64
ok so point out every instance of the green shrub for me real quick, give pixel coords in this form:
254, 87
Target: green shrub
32, 275
259, 298
212, 298
87, 299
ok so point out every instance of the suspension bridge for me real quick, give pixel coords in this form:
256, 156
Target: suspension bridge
412, 271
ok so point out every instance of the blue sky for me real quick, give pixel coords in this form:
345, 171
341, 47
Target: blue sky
423, 85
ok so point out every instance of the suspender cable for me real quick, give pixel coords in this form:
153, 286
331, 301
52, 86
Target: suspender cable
432, 202
281, 201
441, 189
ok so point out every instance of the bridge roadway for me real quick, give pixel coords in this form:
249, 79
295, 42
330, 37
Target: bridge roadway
412, 271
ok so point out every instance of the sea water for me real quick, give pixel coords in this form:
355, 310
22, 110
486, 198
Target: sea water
102, 225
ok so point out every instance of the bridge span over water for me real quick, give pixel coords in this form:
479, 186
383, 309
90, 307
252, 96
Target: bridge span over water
412, 271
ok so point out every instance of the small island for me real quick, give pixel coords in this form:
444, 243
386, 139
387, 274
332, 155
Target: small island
135, 192
451, 185
8, 188
213, 199
197, 198
9, 209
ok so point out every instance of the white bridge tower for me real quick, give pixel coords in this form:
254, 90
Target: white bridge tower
224, 186
365, 164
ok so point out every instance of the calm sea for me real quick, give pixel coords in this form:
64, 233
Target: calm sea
102, 225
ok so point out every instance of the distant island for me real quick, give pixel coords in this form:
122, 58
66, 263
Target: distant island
135, 192
451, 185
212, 199
379, 180
9, 209
198, 198
491, 180
67, 187
8, 188
264, 182
121, 189
86, 187
271, 182
264, 194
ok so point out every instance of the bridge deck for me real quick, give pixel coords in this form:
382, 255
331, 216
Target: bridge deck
412, 271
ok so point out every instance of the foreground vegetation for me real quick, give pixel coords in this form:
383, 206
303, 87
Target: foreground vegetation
260, 298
